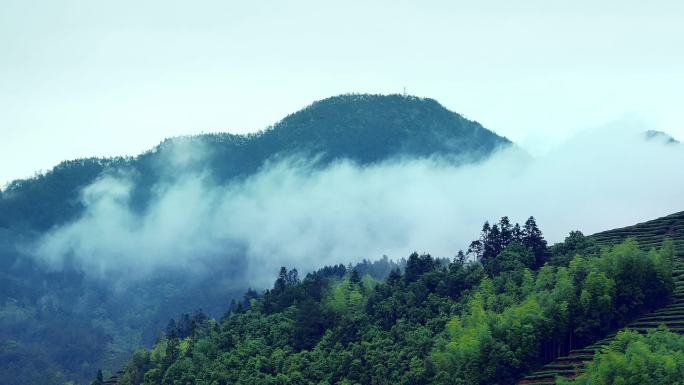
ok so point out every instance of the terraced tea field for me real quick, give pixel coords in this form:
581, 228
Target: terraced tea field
649, 235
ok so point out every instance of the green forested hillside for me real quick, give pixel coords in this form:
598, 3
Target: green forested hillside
486, 317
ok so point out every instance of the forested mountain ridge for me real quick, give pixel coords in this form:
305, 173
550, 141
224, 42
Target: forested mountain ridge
361, 128
59, 325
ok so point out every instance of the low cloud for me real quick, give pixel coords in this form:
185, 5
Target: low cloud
295, 214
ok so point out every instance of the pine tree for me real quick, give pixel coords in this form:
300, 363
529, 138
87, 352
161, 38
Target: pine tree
354, 278
281, 281
533, 239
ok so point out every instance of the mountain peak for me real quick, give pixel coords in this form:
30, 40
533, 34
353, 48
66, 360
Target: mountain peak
661, 136
368, 128
369, 107
387, 99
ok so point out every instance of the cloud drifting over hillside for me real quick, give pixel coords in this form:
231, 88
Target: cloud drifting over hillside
293, 214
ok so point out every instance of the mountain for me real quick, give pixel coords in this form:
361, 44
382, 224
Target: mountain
59, 325
362, 128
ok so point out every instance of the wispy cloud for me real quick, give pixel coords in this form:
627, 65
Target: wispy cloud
292, 213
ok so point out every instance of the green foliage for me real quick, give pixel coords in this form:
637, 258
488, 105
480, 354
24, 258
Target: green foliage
346, 298
434, 324
574, 244
68, 327
315, 331
515, 257
526, 246
656, 358
98, 378
529, 319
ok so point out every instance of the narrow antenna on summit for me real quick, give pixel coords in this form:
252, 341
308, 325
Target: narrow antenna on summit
404, 91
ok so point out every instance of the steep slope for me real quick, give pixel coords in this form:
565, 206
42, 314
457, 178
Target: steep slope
649, 235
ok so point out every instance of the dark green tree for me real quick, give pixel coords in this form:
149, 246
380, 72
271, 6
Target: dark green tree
533, 239
98, 378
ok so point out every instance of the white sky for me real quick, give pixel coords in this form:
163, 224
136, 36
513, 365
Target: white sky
93, 78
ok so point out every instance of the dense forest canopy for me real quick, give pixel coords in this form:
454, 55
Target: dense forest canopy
486, 319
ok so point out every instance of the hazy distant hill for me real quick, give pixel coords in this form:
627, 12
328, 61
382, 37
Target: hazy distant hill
662, 136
